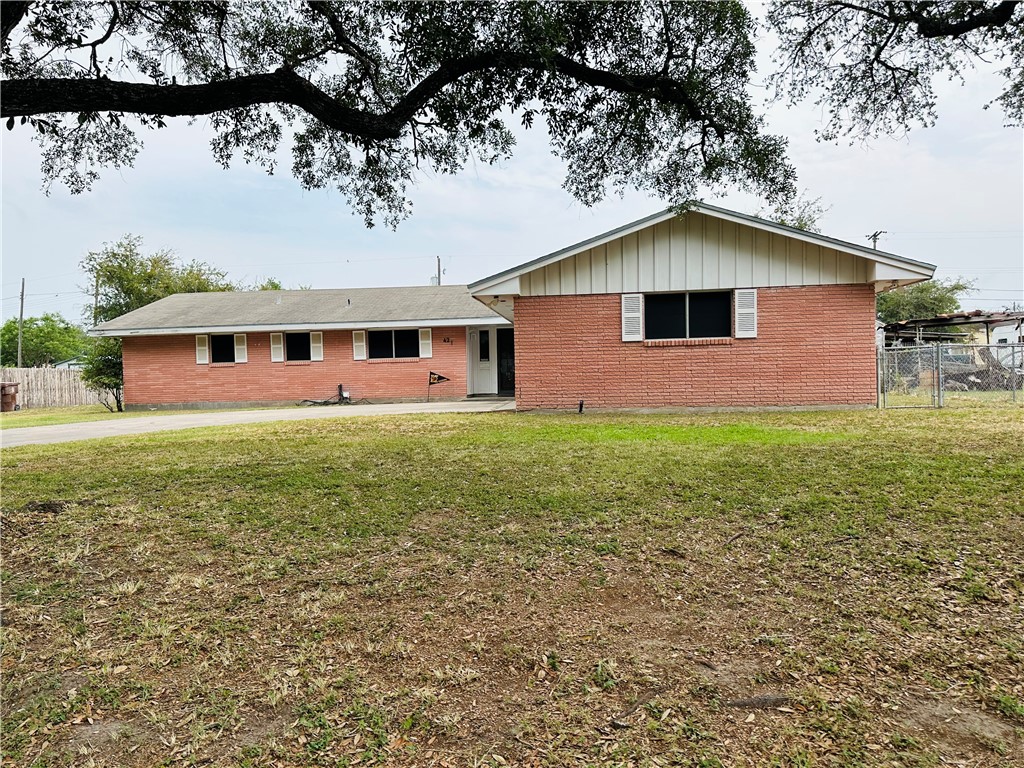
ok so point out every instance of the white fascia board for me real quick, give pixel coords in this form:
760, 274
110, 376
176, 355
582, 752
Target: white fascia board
354, 326
878, 271
886, 277
507, 287
883, 286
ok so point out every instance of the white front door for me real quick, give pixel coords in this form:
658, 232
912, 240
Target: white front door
482, 361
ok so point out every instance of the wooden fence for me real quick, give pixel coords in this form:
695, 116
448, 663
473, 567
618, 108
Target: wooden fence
49, 387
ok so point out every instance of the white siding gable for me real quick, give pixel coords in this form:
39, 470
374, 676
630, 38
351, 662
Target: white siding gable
695, 252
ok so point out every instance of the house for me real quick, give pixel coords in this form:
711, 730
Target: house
75, 363
708, 308
275, 347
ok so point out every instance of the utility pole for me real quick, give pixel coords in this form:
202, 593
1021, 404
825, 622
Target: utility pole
873, 237
438, 270
95, 296
21, 319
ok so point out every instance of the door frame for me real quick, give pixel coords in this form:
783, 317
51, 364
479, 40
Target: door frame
504, 342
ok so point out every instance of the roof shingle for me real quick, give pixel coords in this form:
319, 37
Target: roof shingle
340, 308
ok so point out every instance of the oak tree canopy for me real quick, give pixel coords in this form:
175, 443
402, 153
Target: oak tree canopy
872, 63
653, 95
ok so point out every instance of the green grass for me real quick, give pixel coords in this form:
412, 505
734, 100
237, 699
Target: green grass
43, 417
922, 397
481, 588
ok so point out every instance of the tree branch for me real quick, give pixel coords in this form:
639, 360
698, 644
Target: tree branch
11, 14
115, 16
992, 16
347, 45
41, 96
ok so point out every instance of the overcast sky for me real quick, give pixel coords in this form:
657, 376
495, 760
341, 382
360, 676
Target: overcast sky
952, 195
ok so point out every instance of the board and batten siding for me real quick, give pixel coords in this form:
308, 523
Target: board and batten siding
694, 252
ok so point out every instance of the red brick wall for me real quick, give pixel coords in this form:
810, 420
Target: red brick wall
815, 346
163, 370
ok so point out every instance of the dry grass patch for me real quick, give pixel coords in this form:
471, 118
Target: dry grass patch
775, 589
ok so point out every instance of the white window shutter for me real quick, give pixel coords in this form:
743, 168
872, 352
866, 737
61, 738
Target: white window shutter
426, 343
241, 351
202, 350
358, 345
316, 346
632, 317
277, 347
746, 313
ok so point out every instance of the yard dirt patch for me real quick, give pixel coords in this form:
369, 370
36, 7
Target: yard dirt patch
398, 592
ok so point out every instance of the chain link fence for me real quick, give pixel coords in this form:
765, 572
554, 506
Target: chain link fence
949, 375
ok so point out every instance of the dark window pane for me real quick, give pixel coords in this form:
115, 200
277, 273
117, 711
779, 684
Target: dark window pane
380, 344
665, 316
222, 349
296, 346
407, 343
710, 314
485, 346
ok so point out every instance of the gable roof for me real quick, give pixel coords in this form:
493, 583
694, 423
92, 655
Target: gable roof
254, 311
494, 283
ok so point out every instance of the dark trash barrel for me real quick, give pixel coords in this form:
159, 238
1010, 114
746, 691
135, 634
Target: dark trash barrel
8, 396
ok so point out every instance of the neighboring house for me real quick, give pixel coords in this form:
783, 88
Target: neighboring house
1011, 333
73, 363
248, 347
710, 308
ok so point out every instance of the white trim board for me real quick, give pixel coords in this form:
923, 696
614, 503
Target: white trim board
355, 326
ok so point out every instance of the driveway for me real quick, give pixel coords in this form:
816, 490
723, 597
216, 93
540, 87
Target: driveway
137, 425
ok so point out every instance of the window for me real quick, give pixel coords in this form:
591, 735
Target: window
390, 344
221, 348
296, 347
702, 315
485, 346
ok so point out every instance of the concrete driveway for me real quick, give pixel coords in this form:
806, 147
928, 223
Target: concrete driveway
137, 425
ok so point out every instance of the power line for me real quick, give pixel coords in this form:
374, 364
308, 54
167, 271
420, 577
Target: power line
955, 231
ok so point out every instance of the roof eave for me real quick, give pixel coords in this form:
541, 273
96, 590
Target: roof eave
293, 327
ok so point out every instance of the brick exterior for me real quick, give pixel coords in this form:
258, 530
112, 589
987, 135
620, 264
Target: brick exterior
162, 370
815, 346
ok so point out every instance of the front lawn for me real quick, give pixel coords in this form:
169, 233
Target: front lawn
38, 417
44, 417
786, 589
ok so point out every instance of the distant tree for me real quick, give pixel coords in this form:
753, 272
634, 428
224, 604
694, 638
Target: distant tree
928, 299
125, 280
45, 340
103, 372
268, 284
799, 212
652, 94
